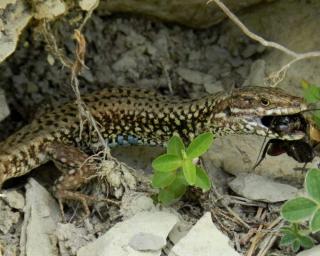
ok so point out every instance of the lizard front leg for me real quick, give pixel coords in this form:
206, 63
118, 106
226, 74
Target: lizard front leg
77, 169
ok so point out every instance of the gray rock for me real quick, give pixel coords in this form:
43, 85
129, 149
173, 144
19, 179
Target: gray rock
134, 202
42, 214
213, 87
14, 199
194, 76
7, 217
204, 239
315, 251
116, 241
261, 188
257, 74
194, 13
238, 154
4, 108
147, 242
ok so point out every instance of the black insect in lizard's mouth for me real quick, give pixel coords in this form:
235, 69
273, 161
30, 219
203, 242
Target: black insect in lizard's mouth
289, 126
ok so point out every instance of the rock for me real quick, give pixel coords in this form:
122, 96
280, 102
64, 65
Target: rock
237, 154
42, 214
204, 239
87, 5
14, 199
260, 188
116, 241
7, 218
147, 242
194, 13
257, 74
14, 16
270, 16
71, 237
4, 108
315, 251
48, 9
213, 87
135, 202
195, 77
179, 231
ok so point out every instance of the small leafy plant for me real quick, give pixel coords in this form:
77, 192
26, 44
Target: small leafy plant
176, 170
300, 210
311, 94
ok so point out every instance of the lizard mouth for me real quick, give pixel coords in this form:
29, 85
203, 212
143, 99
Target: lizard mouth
287, 127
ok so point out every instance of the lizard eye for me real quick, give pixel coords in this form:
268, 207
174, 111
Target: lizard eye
264, 102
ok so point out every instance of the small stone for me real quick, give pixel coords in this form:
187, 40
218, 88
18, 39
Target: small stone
261, 188
194, 76
87, 5
14, 199
42, 214
134, 202
8, 218
315, 251
250, 50
124, 63
213, 87
147, 242
257, 74
4, 108
204, 239
116, 241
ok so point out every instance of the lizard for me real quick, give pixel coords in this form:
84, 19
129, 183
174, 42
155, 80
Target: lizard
138, 116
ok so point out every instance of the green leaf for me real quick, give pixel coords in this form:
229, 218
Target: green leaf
316, 117
315, 221
311, 93
163, 179
296, 245
199, 145
175, 146
306, 242
202, 180
189, 171
287, 239
313, 184
166, 163
173, 192
298, 209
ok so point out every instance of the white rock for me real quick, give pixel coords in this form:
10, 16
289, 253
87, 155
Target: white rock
42, 214
15, 15
116, 241
204, 239
315, 251
87, 5
147, 242
14, 199
48, 9
261, 188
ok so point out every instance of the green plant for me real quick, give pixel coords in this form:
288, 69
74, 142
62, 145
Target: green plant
311, 94
175, 170
300, 210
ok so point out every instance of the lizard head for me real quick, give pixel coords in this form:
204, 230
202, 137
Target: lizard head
263, 111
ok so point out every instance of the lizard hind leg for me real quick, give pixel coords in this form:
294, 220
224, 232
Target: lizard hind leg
77, 169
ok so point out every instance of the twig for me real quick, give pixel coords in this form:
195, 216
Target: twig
278, 76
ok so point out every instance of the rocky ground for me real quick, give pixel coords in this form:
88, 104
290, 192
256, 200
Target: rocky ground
127, 50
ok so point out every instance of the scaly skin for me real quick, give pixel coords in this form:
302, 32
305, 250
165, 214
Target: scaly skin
137, 116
